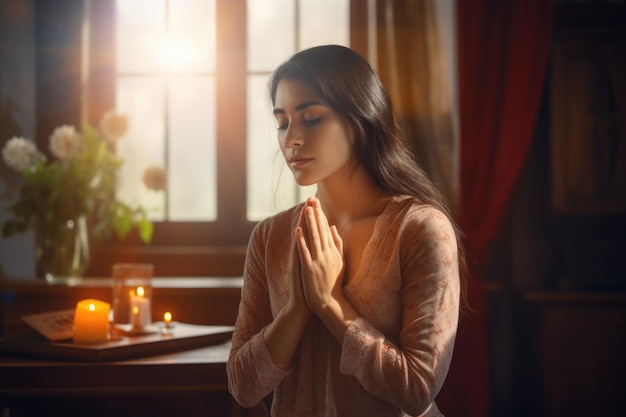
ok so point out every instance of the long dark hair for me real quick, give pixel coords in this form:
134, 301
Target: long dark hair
347, 83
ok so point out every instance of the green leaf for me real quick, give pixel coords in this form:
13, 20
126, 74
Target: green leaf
122, 222
146, 229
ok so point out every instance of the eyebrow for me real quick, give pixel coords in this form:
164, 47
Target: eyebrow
299, 107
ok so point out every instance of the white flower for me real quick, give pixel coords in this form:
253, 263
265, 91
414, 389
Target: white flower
155, 178
114, 125
20, 154
65, 142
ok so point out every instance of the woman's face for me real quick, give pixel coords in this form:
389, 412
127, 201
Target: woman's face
314, 139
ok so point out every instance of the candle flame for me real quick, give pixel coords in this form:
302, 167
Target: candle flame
140, 291
167, 317
135, 310
92, 307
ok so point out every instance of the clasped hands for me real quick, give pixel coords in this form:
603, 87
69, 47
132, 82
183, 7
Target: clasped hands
317, 265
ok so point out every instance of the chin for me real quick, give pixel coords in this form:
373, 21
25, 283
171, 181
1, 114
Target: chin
304, 181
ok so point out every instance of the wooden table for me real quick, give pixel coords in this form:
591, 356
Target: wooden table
187, 383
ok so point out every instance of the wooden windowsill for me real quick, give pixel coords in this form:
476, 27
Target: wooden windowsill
96, 282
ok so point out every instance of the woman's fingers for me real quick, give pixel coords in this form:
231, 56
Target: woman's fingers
337, 239
318, 234
322, 225
313, 232
303, 248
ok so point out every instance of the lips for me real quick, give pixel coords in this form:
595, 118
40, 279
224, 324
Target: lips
298, 161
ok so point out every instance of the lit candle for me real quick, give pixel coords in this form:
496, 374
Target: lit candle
139, 309
167, 327
91, 321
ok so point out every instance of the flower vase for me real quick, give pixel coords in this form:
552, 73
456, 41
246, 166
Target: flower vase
62, 251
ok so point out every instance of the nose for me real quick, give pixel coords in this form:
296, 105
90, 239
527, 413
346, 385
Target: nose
292, 137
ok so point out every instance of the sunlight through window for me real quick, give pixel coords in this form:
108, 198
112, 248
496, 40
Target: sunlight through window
167, 85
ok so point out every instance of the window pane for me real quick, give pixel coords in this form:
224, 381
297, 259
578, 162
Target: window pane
142, 100
324, 22
192, 153
140, 37
191, 38
271, 39
271, 187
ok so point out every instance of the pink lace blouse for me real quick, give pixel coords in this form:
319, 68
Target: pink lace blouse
394, 358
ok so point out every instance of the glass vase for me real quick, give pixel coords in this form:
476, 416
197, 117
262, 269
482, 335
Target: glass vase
62, 252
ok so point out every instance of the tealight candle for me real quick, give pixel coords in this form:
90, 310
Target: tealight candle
167, 327
91, 321
139, 309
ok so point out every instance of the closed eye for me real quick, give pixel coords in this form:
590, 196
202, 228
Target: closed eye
312, 122
307, 123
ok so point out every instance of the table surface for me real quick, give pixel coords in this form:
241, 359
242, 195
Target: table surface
188, 383
201, 368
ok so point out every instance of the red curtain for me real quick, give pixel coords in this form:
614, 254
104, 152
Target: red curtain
503, 50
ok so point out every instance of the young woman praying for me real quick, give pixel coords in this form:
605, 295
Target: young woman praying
351, 300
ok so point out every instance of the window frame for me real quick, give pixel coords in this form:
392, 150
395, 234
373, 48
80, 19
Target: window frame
215, 248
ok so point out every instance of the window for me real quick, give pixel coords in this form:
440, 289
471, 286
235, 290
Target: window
165, 83
192, 77
288, 26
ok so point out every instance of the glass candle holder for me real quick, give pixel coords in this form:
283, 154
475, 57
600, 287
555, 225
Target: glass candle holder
132, 295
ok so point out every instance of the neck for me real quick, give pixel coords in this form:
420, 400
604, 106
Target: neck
351, 196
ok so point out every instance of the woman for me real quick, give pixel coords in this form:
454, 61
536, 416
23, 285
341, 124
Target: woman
350, 301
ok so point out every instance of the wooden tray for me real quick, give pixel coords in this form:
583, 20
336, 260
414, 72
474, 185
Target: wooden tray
122, 346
